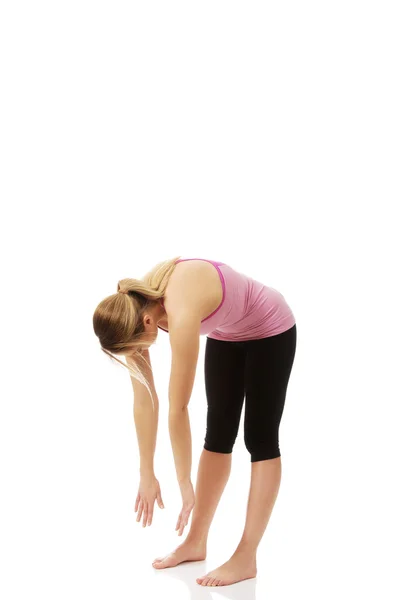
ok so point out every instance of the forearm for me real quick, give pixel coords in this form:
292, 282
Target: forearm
146, 423
181, 441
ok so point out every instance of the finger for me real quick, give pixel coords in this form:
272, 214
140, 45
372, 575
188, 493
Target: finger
188, 515
184, 522
139, 515
145, 515
186, 518
140, 510
181, 528
184, 515
159, 500
137, 502
178, 522
150, 517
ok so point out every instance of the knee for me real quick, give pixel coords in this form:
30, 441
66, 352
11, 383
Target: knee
219, 448
262, 448
220, 437
219, 443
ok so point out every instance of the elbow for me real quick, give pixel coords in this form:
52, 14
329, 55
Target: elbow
177, 420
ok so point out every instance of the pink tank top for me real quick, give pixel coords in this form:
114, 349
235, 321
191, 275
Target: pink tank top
249, 310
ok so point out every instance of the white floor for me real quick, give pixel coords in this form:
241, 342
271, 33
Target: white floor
180, 582
262, 134
317, 545
69, 481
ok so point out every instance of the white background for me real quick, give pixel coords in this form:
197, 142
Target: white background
264, 135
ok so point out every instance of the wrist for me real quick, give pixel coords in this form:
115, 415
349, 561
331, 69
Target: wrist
146, 473
184, 481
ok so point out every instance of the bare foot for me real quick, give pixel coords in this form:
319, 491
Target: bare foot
237, 568
187, 551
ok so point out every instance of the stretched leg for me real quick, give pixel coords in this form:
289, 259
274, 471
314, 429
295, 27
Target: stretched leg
264, 488
224, 380
267, 374
212, 476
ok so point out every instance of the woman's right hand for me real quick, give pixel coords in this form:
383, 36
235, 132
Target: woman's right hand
149, 491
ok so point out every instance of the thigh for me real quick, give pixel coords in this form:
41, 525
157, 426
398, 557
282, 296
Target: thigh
269, 364
224, 367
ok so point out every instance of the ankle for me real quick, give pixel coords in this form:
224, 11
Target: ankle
246, 550
196, 539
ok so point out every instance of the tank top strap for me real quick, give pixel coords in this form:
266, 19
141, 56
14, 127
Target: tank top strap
213, 262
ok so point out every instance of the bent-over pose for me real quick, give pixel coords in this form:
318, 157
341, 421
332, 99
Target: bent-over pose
250, 348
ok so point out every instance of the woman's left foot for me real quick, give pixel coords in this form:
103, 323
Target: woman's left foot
235, 569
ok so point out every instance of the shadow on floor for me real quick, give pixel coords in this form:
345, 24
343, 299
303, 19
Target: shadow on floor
188, 573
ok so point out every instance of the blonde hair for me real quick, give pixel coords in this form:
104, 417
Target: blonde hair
117, 320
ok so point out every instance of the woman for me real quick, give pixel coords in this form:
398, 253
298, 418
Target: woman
250, 348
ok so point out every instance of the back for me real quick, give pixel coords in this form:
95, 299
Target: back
249, 309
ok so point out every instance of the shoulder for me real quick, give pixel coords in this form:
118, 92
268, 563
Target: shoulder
191, 284
193, 272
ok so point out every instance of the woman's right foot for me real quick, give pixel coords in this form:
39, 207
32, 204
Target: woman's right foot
187, 551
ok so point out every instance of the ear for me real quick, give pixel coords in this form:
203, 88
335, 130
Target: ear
147, 319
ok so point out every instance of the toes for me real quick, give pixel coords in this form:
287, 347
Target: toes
206, 580
170, 561
210, 581
161, 563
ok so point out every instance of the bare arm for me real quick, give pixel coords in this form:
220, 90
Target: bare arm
184, 334
145, 417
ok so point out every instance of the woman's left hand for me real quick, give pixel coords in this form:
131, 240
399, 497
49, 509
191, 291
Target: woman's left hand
188, 501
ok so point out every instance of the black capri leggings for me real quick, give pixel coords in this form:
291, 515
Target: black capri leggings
258, 370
